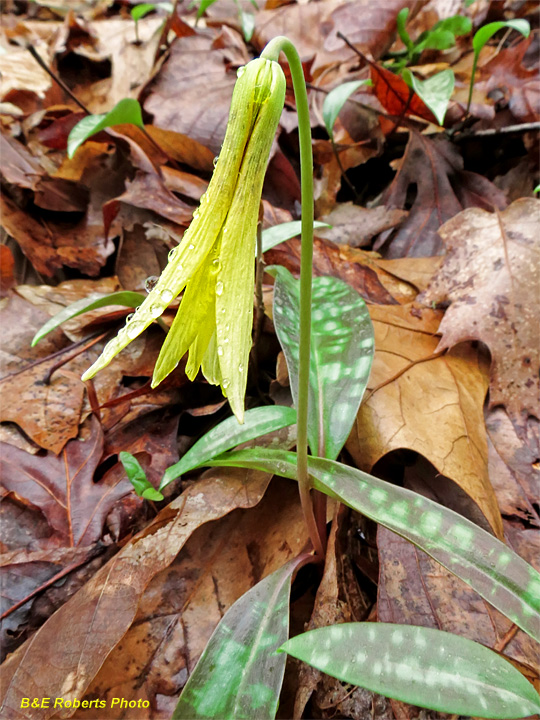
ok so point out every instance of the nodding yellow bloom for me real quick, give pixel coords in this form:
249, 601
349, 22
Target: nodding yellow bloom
215, 260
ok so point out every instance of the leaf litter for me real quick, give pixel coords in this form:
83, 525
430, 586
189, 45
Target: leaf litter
107, 594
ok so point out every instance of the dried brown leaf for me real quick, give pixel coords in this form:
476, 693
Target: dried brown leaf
424, 402
491, 276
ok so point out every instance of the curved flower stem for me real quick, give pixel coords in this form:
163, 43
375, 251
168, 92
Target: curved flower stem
271, 52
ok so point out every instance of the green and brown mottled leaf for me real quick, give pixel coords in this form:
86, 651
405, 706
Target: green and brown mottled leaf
422, 666
239, 674
499, 575
342, 346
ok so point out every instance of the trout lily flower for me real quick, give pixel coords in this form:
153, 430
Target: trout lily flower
214, 263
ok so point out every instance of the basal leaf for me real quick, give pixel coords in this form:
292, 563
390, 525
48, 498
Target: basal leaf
247, 20
436, 91
277, 234
92, 302
126, 111
229, 434
240, 672
204, 5
456, 24
342, 347
336, 99
137, 477
421, 666
498, 574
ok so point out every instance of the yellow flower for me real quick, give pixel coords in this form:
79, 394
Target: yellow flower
215, 260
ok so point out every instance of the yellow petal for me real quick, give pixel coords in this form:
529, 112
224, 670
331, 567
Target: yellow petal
195, 315
234, 288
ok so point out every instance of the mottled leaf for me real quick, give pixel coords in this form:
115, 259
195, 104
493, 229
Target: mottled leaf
126, 111
277, 234
485, 563
342, 348
92, 302
137, 477
421, 666
239, 674
229, 434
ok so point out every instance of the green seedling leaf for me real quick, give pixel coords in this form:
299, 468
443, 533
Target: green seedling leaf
401, 20
126, 111
482, 36
335, 100
229, 434
247, 20
92, 302
240, 672
457, 25
439, 39
139, 11
485, 33
137, 477
277, 234
537, 189
436, 91
342, 347
498, 574
421, 666
205, 4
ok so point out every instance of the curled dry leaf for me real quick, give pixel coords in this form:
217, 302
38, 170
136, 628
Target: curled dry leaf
490, 277
427, 403
64, 655
519, 85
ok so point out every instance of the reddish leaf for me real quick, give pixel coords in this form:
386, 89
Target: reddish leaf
62, 486
396, 96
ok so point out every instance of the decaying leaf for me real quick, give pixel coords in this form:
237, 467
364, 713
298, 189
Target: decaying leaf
433, 171
490, 277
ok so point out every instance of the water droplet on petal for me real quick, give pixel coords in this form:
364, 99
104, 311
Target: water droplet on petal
155, 311
166, 296
219, 287
215, 262
220, 350
226, 341
240, 71
130, 317
196, 214
225, 384
240, 368
191, 246
171, 254
151, 282
215, 160
134, 330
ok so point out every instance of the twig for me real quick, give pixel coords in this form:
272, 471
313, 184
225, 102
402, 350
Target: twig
492, 132
41, 62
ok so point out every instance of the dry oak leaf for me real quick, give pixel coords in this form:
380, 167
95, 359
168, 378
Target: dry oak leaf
434, 169
427, 403
520, 85
491, 279
63, 488
62, 658
182, 605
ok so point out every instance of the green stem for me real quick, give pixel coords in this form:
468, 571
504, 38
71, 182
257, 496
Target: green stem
271, 52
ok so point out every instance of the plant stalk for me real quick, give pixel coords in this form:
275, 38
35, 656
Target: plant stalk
271, 52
